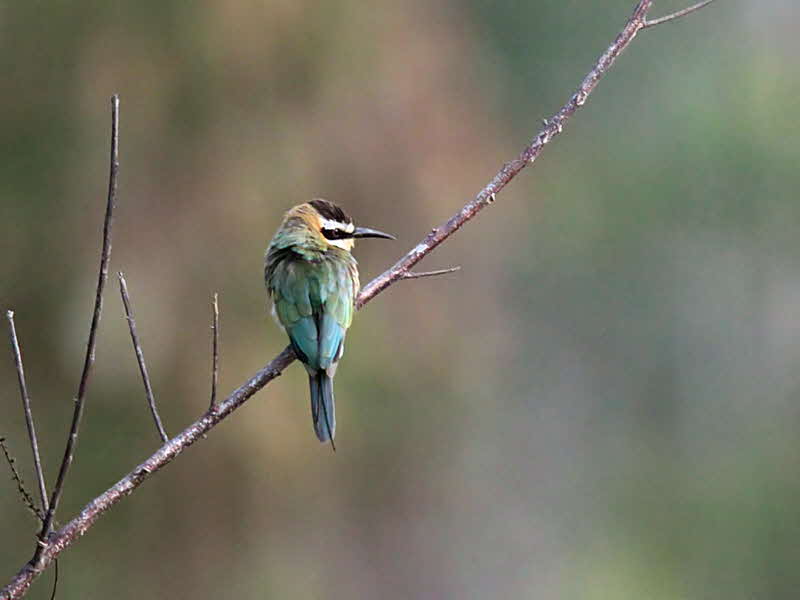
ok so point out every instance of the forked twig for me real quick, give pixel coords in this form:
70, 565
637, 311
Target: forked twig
69, 451
26, 405
137, 348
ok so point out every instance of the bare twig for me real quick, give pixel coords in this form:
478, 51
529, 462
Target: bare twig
27, 500
26, 405
78, 526
421, 274
215, 352
676, 15
69, 451
73, 530
55, 581
137, 348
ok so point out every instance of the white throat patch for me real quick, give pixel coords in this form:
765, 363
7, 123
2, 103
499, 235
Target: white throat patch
344, 244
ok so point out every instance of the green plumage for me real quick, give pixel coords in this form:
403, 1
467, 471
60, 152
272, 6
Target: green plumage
314, 302
313, 287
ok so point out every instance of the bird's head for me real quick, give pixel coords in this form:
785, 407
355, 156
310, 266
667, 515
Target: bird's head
329, 225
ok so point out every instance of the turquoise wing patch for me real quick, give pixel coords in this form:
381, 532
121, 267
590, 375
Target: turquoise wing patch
336, 316
331, 334
303, 335
314, 303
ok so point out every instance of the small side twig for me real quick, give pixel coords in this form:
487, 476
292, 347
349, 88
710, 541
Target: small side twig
420, 275
27, 500
26, 405
676, 15
77, 414
215, 352
137, 348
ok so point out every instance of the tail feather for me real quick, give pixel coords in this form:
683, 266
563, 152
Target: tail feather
322, 405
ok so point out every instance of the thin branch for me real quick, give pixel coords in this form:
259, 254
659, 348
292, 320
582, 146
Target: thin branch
69, 451
420, 275
27, 500
78, 526
55, 582
137, 348
215, 352
552, 127
676, 15
26, 405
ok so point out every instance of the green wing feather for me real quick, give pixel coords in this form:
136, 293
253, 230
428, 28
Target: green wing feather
314, 303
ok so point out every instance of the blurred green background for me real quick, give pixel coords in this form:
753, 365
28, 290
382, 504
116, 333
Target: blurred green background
603, 403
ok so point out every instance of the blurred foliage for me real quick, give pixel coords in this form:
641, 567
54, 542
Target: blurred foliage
603, 403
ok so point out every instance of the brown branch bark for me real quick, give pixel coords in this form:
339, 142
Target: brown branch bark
422, 274
73, 530
137, 349
26, 406
105, 257
676, 15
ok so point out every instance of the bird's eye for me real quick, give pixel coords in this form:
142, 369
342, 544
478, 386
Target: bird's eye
336, 234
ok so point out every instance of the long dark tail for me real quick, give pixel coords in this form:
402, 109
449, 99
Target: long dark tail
322, 407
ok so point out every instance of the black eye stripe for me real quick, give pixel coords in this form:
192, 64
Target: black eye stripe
336, 234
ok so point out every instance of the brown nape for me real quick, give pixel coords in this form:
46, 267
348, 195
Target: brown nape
330, 211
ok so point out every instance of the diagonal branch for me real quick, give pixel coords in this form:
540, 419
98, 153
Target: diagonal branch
676, 15
421, 274
26, 405
137, 348
69, 451
73, 530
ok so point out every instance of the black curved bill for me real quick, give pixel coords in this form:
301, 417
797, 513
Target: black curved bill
364, 232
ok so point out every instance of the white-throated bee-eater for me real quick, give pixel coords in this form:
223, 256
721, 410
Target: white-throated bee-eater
313, 281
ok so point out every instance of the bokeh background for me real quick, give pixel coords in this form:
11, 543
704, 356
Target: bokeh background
603, 403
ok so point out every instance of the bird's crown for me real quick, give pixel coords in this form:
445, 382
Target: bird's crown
322, 223
332, 221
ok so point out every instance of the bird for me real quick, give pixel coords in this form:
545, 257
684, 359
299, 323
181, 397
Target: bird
312, 280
